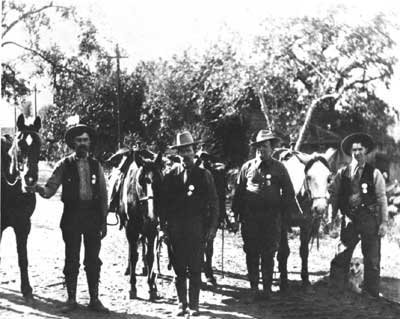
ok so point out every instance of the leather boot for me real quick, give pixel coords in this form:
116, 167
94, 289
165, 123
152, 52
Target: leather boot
70, 304
181, 289
194, 292
95, 303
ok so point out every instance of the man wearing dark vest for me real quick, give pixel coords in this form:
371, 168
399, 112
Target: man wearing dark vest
84, 194
189, 201
359, 192
263, 195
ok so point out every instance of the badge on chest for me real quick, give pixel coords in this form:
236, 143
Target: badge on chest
267, 181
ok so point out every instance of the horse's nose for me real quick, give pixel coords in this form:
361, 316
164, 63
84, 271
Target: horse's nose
30, 179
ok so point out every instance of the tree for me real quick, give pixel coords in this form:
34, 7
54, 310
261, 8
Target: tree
326, 61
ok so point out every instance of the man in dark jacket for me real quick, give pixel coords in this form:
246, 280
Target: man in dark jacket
189, 201
262, 196
359, 192
84, 195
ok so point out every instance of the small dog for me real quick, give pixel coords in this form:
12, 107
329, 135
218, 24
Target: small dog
356, 274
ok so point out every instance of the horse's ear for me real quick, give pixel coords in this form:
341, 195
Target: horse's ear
37, 124
20, 122
159, 160
303, 157
329, 154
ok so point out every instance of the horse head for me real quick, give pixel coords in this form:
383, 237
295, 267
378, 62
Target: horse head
317, 178
148, 181
24, 152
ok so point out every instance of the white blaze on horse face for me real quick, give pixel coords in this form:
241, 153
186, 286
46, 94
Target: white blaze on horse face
29, 140
317, 183
150, 200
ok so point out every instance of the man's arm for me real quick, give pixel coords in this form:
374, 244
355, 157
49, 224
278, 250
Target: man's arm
289, 202
334, 189
54, 181
213, 204
103, 193
238, 196
380, 192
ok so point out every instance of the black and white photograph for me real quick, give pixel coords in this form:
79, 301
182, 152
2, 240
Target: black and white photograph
214, 159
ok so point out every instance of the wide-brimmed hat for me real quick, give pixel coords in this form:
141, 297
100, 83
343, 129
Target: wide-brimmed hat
184, 139
77, 130
363, 138
264, 135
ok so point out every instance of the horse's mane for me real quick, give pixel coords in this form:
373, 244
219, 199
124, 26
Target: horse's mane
317, 158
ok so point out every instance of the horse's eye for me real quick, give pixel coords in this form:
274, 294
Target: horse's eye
330, 178
147, 180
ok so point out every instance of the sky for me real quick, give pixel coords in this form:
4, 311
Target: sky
159, 28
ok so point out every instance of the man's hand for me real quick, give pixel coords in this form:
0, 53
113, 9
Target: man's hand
39, 189
234, 227
382, 229
103, 231
211, 234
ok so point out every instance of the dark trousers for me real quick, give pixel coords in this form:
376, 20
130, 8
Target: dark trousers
92, 262
364, 227
82, 221
187, 248
208, 254
261, 235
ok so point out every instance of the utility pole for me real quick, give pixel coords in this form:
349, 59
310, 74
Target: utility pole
118, 110
35, 101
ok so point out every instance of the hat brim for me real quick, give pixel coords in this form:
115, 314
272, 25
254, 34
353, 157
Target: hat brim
274, 139
79, 130
173, 147
365, 139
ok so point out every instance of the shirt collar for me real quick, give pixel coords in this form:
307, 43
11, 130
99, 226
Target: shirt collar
259, 163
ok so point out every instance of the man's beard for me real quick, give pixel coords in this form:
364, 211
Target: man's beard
82, 150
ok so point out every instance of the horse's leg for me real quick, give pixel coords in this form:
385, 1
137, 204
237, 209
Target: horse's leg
21, 235
283, 255
305, 236
208, 271
145, 271
133, 237
151, 274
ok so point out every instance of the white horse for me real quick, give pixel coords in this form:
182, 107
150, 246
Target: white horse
310, 176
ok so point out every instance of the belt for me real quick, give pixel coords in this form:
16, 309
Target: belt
353, 210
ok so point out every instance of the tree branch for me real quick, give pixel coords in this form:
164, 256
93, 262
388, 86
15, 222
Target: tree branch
29, 13
310, 111
56, 66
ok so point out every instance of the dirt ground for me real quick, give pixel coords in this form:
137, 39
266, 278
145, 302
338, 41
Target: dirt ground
46, 258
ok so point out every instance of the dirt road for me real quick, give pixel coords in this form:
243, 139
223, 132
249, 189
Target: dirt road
46, 254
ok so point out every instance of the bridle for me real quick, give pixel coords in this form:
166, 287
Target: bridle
18, 167
306, 185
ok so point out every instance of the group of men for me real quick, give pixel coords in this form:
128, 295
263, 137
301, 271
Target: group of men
190, 213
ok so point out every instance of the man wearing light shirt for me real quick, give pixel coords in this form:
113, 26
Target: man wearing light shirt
359, 192
84, 194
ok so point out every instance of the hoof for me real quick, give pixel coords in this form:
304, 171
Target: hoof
127, 272
29, 298
133, 294
212, 281
153, 295
70, 305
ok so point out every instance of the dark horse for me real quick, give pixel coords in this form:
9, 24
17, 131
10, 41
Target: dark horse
19, 168
219, 174
310, 176
140, 199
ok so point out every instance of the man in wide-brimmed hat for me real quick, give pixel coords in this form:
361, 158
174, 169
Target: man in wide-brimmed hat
359, 192
262, 195
189, 198
84, 195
